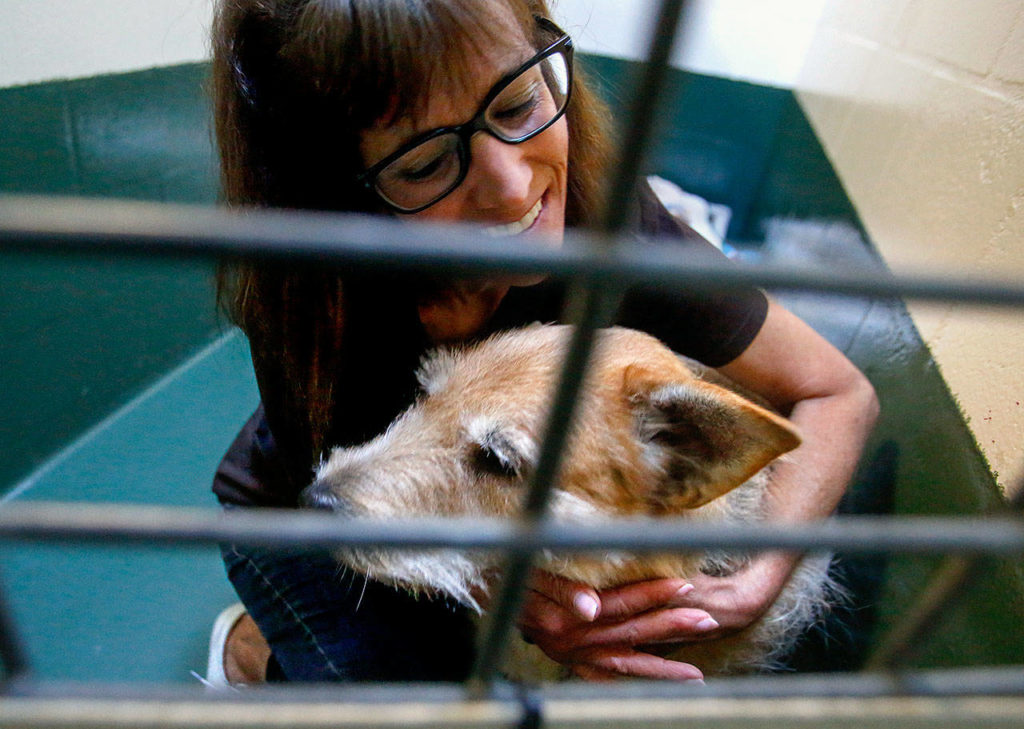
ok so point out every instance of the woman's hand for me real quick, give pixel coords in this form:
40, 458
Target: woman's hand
739, 599
602, 635
599, 635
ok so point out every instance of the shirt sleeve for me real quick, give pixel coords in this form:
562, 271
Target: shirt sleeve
712, 327
250, 473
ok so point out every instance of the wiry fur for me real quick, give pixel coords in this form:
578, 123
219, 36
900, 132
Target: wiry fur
655, 438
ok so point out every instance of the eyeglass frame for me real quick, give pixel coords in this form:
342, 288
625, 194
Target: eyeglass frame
464, 132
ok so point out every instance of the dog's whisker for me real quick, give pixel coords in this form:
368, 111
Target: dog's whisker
362, 593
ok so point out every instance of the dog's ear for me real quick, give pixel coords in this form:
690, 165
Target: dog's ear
708, 439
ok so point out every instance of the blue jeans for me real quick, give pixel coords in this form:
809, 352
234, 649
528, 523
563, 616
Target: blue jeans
325, 623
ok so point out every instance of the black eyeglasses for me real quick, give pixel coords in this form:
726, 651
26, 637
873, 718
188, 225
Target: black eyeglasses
520, 106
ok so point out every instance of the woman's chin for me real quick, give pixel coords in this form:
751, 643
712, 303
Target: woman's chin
521, 279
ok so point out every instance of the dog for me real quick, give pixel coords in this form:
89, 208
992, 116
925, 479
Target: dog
656, 436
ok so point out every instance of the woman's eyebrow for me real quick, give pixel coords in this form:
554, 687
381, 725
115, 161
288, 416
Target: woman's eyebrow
512, 61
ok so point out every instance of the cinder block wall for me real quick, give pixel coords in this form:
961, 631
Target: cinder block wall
920, 106
41, 41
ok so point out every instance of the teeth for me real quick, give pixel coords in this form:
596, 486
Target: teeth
517, 227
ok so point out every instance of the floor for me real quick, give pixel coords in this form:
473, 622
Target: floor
103, 612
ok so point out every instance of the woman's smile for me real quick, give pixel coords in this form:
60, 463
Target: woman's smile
518, 226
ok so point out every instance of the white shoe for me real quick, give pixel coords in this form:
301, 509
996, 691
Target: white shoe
216, 678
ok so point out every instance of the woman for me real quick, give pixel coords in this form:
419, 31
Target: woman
459, 110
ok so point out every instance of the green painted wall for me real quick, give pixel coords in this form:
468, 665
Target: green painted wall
80, 335
143, 135
747, 146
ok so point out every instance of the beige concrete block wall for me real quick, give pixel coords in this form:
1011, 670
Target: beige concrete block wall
920, 105
41, 41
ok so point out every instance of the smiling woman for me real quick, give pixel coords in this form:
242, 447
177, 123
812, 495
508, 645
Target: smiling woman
457, 110
317, 104
521, 105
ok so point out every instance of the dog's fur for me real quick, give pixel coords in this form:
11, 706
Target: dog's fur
657, 436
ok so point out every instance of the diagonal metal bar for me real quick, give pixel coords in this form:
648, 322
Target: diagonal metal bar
950, 583
592, 306
636, 133
598, 307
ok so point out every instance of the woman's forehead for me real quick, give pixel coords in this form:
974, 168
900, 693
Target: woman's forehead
455, 91
469, 79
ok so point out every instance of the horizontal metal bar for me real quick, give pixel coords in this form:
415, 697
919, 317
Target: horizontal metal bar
991, 697
289, 528
913, 713
893, 713
1005, 680
70, 224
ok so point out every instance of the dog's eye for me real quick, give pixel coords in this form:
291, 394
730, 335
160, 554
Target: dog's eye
497, 457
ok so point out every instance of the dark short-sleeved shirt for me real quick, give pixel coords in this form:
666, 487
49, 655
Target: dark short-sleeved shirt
713, 328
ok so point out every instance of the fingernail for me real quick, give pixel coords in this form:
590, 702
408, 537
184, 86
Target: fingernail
706, 624
586, 606
684, 590
695, 681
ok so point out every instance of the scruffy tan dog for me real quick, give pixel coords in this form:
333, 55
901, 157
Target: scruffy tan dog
657, 436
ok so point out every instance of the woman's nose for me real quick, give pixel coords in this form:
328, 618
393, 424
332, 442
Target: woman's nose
500, 175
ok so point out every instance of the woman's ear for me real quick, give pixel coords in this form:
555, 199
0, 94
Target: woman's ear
707, 439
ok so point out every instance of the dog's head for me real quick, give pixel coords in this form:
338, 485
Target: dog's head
651, 437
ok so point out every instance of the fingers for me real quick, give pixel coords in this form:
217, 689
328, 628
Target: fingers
564, 637
639, 597
615, 604
597, 634
579, 599
547, 623
673, 625
612, 663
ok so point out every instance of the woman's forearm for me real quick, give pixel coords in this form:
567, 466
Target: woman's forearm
825, 396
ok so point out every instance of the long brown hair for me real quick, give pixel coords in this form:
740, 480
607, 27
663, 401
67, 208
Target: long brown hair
295, 82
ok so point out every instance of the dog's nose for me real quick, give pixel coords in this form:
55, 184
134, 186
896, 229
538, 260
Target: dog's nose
318, 495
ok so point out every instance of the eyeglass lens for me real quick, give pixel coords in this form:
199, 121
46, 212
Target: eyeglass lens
524, 106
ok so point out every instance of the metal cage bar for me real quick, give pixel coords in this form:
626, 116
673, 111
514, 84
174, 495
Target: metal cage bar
118, 226
35, 224
601, 265
972, 697
590, 307
80, 522
950, 582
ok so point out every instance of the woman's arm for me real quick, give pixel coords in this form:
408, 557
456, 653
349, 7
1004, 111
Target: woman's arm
835, 407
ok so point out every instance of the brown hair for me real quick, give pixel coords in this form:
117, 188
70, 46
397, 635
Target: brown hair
295, 82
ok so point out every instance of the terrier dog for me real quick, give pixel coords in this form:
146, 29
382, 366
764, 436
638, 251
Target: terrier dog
656, 436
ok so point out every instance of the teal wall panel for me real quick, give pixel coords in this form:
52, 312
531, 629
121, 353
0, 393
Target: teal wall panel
80, 335
36, 153
143, 135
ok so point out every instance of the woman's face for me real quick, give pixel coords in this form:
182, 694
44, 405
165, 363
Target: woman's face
514, 189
